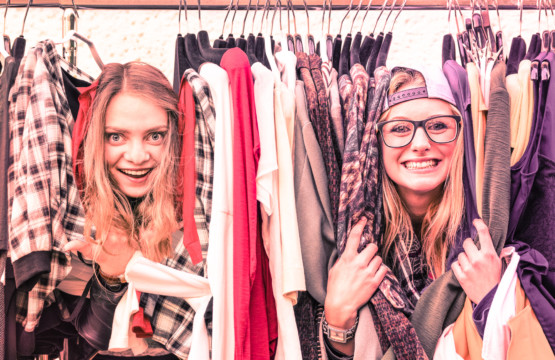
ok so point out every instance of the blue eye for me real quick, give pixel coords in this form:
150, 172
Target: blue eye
157, 136
113, 137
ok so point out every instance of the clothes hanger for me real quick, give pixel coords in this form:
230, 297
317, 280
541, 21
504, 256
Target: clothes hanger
230, 42
18, 46
290, 40
181, 63
241, 42
499, 34
384, 49
251, 39
368, 41
309, 38
259, 45
448, 46
298, 40
220, 42
341, 56
192, 51
72, 35
329, 38
546, 44
373, 58
357, 40
206, 50
552, 42
6, 46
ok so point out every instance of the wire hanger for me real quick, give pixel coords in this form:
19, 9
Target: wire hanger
309, 37
6, 43
230, 39
73, 35
368, 41
214, 55
298, 39
345, 57
384, 49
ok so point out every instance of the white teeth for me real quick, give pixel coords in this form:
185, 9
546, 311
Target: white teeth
135, 172
420, 164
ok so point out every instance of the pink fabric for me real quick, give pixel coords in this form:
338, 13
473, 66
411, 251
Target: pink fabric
186, 106
251, 326
141, 325
80, 130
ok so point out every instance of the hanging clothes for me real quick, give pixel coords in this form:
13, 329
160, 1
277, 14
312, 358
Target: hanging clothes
220, 255
49, 197
522, 109
268, 192
332, 91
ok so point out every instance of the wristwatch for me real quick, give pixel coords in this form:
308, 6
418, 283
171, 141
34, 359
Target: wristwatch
339, 335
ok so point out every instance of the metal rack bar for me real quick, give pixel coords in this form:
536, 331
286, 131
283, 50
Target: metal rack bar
222, 4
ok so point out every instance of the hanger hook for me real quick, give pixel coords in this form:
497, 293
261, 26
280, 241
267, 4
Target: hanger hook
399, 13
179, 17
245, 18
323, 15
379, 16
355, 17
294, 18
254, 15
233, 17
75, 9
226, 15
25, 17
365, 14
264, 11
388, 15
274, 17
344, 17
307, 18
199, 18
329, 15
186, 16
5, 15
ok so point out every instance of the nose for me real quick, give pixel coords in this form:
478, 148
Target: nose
136, 153
420, 142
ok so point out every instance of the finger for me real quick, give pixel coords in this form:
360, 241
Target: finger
368, 253
380, 274
464, 263
353, 241
459, 274
374, 265
483, 235
78, 245
470, 248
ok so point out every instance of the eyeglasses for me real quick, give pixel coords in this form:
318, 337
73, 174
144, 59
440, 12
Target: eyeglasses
440, 129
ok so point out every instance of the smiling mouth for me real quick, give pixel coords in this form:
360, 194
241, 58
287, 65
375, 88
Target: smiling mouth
417, 165
136, 174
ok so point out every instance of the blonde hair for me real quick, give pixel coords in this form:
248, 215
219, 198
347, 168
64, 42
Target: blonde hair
443, 216
106, 206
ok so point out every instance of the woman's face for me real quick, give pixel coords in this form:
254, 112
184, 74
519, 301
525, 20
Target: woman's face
420, 168
135, 134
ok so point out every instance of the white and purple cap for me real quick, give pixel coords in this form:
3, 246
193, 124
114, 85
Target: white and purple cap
436, 87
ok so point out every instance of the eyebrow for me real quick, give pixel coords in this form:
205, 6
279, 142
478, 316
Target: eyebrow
123, 131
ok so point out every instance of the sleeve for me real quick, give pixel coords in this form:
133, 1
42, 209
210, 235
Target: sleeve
334, 354
480, 313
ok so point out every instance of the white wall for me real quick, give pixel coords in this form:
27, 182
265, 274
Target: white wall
149, 35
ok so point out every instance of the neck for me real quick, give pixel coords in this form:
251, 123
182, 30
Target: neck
417, 204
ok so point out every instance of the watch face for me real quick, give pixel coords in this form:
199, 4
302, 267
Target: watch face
338, 336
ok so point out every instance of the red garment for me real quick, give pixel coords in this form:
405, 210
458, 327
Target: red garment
188, 177
251, 322
141, 324
80, 130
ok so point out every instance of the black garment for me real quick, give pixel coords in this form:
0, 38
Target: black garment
112, 357
72, 93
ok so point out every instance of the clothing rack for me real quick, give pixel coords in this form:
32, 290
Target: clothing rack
243, 4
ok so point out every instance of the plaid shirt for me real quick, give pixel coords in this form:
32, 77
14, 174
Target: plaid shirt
45, 211
204, 139
171, 317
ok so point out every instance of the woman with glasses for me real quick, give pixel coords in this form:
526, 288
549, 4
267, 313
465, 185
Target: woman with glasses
421, 154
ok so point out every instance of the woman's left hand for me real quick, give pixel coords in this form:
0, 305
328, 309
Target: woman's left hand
478, 271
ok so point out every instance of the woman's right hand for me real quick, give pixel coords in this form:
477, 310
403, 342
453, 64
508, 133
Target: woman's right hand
112, 257
352, 280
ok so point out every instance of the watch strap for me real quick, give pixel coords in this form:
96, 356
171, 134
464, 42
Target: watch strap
339, 335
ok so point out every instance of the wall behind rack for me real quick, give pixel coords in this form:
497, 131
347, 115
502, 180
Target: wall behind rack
149, 35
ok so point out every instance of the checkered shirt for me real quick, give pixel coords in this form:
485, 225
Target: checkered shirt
171, 317
204, 139
44, 208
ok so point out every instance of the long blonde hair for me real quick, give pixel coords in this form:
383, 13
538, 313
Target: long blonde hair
443, 216
106, 206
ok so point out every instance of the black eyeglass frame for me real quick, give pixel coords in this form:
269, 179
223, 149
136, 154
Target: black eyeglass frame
417, 124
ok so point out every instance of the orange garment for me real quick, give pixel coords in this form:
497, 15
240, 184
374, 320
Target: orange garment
479, 113
529, 340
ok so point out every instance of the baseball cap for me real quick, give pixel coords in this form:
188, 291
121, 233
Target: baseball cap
436, 87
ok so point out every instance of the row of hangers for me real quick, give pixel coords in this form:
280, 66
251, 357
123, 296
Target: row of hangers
17, 49
477, 42
369, 51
